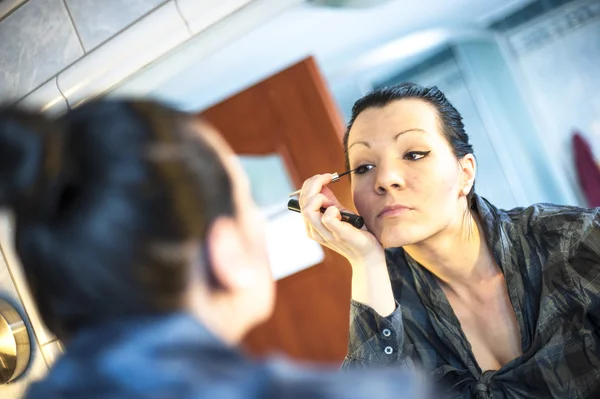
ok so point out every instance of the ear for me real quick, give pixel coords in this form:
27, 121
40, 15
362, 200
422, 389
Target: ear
469, 171
227, 256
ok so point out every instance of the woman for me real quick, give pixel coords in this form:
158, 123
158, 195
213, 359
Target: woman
145, 253
491, 303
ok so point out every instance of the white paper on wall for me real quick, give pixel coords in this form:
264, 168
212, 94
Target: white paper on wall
289, 249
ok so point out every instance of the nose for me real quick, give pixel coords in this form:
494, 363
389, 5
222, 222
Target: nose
389, 177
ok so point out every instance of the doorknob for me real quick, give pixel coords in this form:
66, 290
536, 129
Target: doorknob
14, 343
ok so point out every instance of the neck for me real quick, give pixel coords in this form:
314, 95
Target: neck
458, 255
216, 312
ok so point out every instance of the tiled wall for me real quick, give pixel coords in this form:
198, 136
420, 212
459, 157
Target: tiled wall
36, 41
98, 20
68, 51
40, 38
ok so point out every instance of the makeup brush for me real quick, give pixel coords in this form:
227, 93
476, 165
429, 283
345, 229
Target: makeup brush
334, 179
354, 220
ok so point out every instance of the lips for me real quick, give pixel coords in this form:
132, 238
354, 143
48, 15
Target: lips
393, 210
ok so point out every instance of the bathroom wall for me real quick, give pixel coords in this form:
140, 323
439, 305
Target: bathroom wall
40, 38
56, 54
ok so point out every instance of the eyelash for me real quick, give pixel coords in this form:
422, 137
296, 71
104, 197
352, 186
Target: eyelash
420, 154
362, 169
409, 156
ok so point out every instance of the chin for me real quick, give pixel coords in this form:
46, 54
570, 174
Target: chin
397, 237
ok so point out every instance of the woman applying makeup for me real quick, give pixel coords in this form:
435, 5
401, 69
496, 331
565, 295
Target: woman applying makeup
490, 303
145, 253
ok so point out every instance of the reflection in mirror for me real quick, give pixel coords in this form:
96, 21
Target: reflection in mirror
290, 250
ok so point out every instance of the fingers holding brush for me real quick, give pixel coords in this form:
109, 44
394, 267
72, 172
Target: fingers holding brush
329, 223
314, 197
345, 239
311, 211
318, 185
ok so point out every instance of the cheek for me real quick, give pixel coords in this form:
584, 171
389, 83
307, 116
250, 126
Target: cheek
360, 199
433, 187
449, 185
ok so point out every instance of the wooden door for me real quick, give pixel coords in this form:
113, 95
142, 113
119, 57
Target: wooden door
293, 114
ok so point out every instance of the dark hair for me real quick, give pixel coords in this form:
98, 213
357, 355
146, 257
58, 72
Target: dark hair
108, 200
450, 119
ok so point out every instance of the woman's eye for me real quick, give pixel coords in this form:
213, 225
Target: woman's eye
416, 155
362, 169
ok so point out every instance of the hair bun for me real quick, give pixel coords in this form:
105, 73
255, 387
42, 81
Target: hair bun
21, 144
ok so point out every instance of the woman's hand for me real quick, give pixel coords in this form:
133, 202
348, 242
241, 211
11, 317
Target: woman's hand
370, 278
358, 246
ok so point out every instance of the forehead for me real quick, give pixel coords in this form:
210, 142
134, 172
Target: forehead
397, 116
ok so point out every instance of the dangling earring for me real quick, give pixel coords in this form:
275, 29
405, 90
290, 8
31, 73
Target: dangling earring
467, 217
467, 223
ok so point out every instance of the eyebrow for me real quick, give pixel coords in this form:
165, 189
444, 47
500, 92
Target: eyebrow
395, 137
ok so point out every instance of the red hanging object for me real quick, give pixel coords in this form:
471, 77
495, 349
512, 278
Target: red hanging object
587, 170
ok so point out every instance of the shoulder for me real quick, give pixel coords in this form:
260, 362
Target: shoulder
289, 380
540, 219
